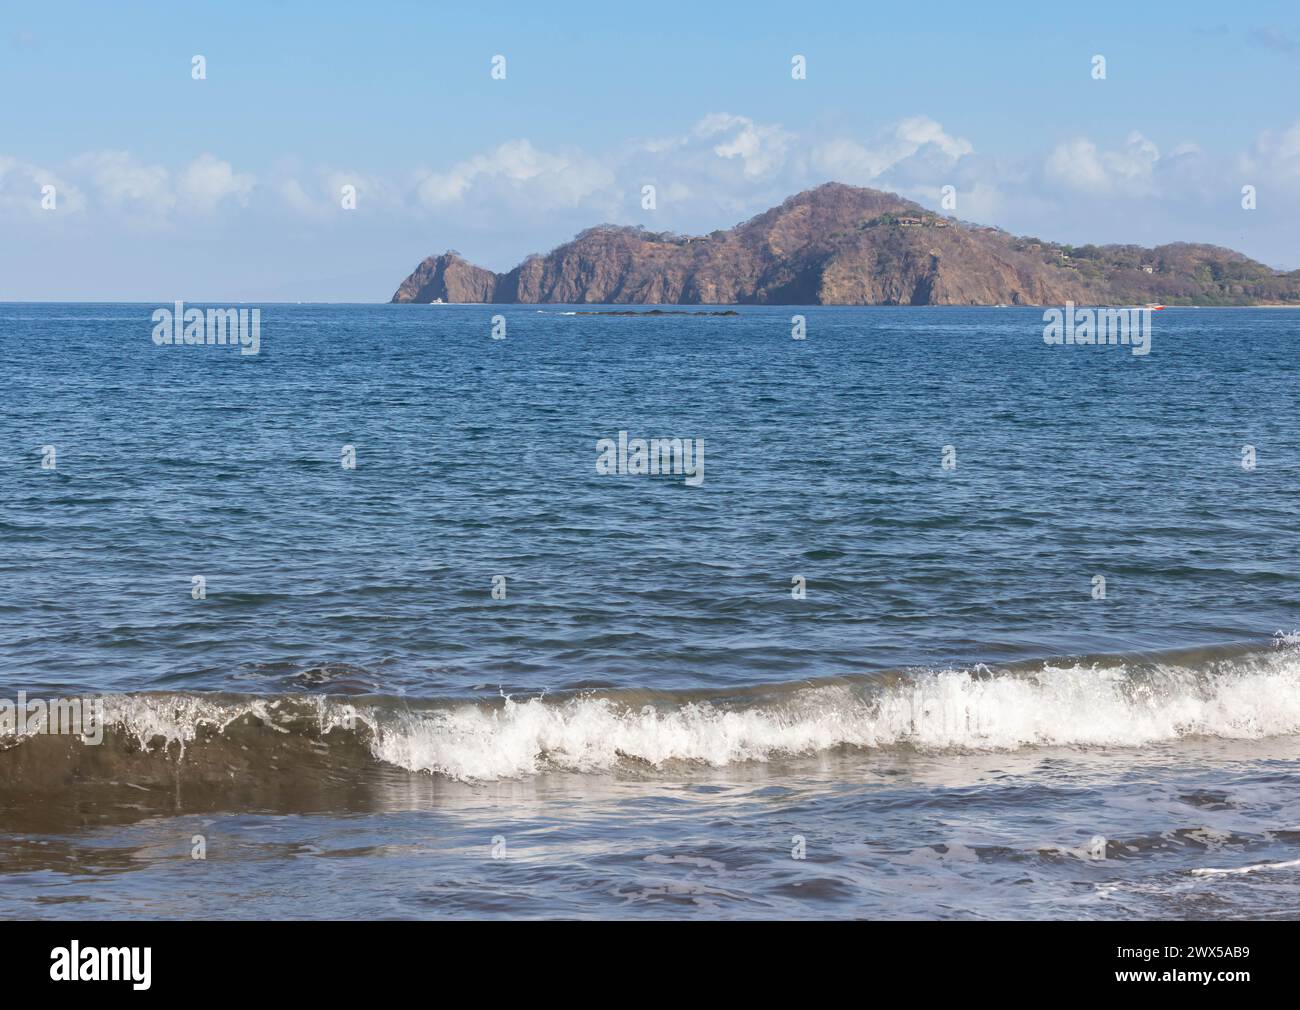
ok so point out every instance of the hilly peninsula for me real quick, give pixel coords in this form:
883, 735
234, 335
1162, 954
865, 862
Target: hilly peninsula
845, 245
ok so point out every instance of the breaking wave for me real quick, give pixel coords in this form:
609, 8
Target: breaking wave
1107, 702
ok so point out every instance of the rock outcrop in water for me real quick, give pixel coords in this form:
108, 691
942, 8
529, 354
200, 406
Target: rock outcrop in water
843, 245
450, 278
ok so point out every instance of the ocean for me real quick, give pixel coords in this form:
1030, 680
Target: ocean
937, 620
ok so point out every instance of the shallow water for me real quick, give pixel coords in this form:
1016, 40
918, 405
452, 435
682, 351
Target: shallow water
648, 721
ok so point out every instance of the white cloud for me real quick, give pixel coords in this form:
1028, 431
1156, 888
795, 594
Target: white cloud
1129, 170
518, 169
119, 180
846, 160
321, 195
1275, 156
760, 148
921, 138
292, 193
913, 134
1077, 163
718, 170
207, 181
21, 186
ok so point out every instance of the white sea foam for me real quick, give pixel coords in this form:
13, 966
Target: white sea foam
1057, 706
180, 719
961, 710
1237, 871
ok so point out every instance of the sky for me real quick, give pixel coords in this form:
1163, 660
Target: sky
230, 185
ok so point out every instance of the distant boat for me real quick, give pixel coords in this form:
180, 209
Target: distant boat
436, 301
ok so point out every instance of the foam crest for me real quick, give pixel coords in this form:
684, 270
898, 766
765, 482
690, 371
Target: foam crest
947, 710
1247, 697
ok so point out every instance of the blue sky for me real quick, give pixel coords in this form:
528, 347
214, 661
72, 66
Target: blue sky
229, 187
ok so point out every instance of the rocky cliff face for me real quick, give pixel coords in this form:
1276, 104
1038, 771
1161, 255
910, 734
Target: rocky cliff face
842, 245
450, 278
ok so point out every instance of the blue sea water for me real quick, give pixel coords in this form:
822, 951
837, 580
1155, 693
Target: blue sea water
649, 723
